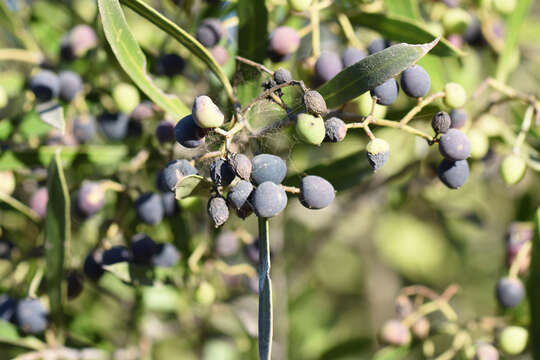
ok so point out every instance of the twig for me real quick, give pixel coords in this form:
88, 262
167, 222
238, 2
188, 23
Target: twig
315, 31
21, 55
256, 65
421, 104
291, 189
348, 30
525, 126
17, 205
265, 293
522, 254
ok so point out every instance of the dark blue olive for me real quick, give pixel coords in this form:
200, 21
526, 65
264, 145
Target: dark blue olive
149, 208
166, 255
92, 267
415, 81
268, 200
378, 45
31, 316
116, 254
351, 56
45, 85
510, 292
71, 84
115, 126
316, 192
176, 170
453, 174
221, 172
386, 93
267, 167
188, 134
143, 248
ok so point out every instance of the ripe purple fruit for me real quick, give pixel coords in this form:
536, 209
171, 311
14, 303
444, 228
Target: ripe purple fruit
453, 174
220, 54
209, 32
31, 316
351, 56
441, 122
170, 205
188, 134
336, 129
174, 171
165, 132
267, 167
394, 332
486, 352
283, 42
314, 103
116, 254
114, 125
241, 165
166, 255
170, 65
454, 145
377, 45
227, 244
268, 200
420, 328
458, 118
282, 76
74, 284
377, 151
45, 85
510, 292
38, 201
8, 306
84, 128
327, 66
142, 248
415, 81
92, 267
218, 210
316, 192
71, 85
221, 172
6, 247
149, 208
143, 111
239, 194
386, 93
90, 199
77, 42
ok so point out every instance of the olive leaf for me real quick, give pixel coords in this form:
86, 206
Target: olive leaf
132, 59
371, 72
52, 114
192, 185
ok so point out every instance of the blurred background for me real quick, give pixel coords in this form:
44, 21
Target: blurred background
336, 272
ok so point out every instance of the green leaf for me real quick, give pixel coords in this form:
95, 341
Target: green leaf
131, 273
533, 290
353, 347
391, 353
400, 28
513, 29
131, 58
192, 185
266, 327
252, 27
344, 173
182, 37
52, 114
407, 8
371, 72
58, 233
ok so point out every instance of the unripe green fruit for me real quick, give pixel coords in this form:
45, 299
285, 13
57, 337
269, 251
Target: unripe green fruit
206, 114
126, 97
310, 128
205, 294
3, 97
489, 124
365, 102
504, 7
479, 143
513, 340
299, 5
455, 21
512, 169
455, 96
7, 182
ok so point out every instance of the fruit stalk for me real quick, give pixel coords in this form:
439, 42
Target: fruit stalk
265, 293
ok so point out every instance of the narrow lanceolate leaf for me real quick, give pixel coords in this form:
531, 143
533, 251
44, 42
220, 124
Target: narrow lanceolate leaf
533, 290
265, 293
192, 185
513, 29
407, 8
371, 72
252, 27
58, 233
131, 58
399, 28
182, 37
52, 113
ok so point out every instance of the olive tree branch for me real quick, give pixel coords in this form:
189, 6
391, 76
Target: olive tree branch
421, 104
265, 293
